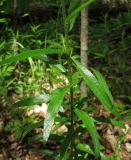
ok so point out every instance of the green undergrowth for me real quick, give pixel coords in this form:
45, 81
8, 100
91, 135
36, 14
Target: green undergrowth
39, 64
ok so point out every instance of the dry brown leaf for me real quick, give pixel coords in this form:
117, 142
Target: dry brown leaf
111, 139
128, 147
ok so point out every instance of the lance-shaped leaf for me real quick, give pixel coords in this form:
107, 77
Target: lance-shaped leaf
89, 124
53, 109
65, 146
74, 4
77, 10
104, 157
117, 123
85, 148
96, 87
29, 101
109, 120
103, 84
29, 128
30, 53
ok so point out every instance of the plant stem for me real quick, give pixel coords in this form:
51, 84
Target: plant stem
70, 80
72, 116
64, 17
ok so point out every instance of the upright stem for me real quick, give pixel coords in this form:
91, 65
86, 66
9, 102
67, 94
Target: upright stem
72, 116
64, 17
70, 79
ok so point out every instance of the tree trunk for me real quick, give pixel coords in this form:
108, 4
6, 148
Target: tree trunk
84, 47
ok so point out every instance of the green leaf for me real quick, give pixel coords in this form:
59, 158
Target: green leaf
60, 68
3, 20
42, 151
77, 10
103, 84
89, 124
66, 156
118, 145
30, 53
74, 4
117, 123
67, 141
103, 157
111, 121
29, 101
3, 91
85, 148
39, 138
60, 121
45, 58
65, 146
30, 128
96, 87
53, 109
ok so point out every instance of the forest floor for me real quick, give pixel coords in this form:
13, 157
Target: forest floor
13, 149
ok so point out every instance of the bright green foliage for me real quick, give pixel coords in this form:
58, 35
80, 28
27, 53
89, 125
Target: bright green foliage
89, 124
85, 148
77, 10
29, 128
30, 53
97, 86
29, 101
74, 10
103, 157
65, 146
46, 62
103, 85
74, 4
53, 109
117, 123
